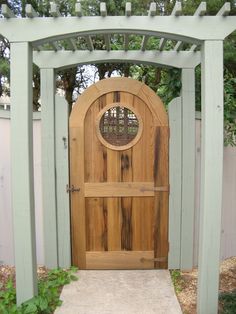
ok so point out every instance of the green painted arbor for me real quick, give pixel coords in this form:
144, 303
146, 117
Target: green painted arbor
29, 36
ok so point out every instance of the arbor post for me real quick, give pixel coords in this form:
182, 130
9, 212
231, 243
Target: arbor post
211, 177
47, 78
188, 167
22, 171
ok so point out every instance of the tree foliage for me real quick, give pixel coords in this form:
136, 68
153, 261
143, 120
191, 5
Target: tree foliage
165, 82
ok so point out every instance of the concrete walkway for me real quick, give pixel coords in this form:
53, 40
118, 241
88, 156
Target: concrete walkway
120, 292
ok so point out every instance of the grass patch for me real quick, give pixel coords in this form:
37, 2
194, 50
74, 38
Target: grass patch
48, 298
228, 302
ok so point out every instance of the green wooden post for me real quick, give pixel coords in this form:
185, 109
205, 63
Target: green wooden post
22, 171
175, 122
211, 176
62, 179
49, 167
188, 168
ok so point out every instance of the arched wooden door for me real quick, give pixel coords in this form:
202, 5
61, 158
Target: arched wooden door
119, 162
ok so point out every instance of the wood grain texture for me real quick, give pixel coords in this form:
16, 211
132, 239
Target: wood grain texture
120, 260
120, 187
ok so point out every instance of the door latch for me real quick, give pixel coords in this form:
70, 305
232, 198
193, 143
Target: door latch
71, 189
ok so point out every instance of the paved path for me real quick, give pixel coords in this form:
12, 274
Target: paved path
120, 292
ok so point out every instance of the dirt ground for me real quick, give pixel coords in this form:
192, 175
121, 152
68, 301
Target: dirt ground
187, 282
188, 285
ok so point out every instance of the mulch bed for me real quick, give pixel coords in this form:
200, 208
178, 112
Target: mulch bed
188, 282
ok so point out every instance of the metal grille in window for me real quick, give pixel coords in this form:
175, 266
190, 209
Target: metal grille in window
119, 126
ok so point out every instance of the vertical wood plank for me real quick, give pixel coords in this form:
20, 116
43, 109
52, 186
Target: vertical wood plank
22, 171
188, 168
161, 211
62, 179
78, 226
211, 176
49, 167
175, 120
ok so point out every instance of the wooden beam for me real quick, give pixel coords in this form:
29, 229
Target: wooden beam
128, 9
103, 9
47, 79
188, 169
185, 28
30, 11
78, 9
225, 10
64, 59
107, 38
7, 12
22, 171
211, 176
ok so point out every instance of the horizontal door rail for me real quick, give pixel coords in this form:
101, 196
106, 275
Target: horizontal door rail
122, 189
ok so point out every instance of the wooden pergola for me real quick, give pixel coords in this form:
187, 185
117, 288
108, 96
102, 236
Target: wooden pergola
199, 39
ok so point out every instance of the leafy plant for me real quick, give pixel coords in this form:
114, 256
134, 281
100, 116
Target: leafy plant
48, 297
176, 279
228, 300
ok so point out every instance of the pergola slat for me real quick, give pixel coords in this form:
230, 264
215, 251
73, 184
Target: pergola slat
128, 9
103, 9
194, 48
201, 11
72, 44
107, 42
89, 43
177, 11
78, 9
179, 46
144, 42
224, 11
30, 11
55, 46
54, 10
162, 44
151, 12
7, 12
152, 9
126, 42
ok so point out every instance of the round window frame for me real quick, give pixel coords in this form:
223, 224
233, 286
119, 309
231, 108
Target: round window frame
133, 141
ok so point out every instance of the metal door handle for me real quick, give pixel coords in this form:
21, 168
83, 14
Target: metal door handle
71, 189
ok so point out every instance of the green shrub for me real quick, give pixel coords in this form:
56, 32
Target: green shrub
176, 279
228, 301
48, 297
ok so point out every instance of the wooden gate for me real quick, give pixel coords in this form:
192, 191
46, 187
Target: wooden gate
119, 177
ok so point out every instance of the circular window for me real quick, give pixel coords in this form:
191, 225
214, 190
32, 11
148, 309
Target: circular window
119, 126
